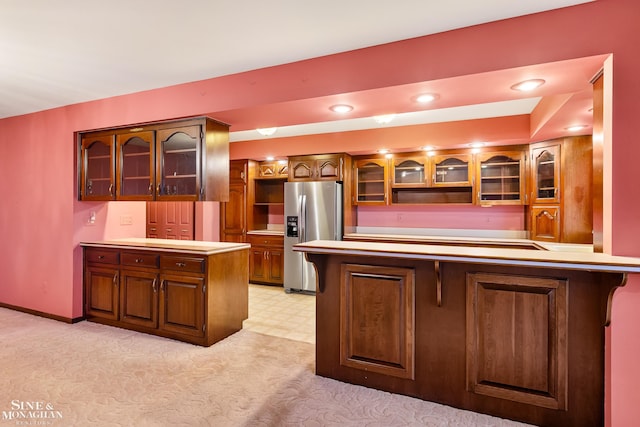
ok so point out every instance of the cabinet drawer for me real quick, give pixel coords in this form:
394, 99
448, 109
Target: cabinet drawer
102, 256
181, 263
277, 241
140, 259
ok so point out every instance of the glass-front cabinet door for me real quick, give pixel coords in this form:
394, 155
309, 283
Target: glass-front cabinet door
546, 174
135, 166
97, 169
409, 172
371, 181
178, 163
451, 170
500, 178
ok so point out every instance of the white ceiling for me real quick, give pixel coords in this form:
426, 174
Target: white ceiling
60, 53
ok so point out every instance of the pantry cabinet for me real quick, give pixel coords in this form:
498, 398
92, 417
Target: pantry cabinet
183, 160
235, 214
560, 190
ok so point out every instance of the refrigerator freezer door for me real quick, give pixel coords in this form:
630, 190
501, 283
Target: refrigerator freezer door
318, 205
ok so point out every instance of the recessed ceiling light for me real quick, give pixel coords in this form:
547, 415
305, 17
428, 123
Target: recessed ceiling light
270, 158
267, 131
383, 151
427, 148
341, 108
528, 85
384, 119
477, 144
575, 128
426, 98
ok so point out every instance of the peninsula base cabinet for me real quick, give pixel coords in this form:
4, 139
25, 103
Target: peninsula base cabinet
523, 343
199, 299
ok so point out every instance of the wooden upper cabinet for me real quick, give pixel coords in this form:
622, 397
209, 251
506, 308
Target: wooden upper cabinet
97, 167
409, 172
372, 178
135, 166
272, 169
178, 167
180, 160
500, 178
451, 170
323, 167
545, 174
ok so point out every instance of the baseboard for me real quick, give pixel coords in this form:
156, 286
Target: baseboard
42, 313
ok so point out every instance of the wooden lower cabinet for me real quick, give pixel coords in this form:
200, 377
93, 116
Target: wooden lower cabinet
545, 223
522, 343
377, 330
516, 345
266, 259
193, 298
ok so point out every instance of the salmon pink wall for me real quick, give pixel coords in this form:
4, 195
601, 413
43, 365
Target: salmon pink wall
41, 223
449, 217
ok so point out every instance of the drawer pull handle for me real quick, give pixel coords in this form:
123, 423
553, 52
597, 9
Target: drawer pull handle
139, 260
100, 256
181, 264
154, 286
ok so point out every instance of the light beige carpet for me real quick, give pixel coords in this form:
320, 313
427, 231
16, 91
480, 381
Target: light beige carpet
93, 375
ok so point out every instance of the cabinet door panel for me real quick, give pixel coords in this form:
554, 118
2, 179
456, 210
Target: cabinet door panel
139, 298
257, 265
233, 213
545, 223
102, 292
97, 172
135, 167
178, 165
516, 348
276, 266
182, 305
377, 331
329, 169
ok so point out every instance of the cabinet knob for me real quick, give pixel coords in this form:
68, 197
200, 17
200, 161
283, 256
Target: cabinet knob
100, 256
180, 264
139, 260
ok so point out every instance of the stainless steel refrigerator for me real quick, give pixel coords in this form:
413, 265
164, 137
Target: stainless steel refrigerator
312, 211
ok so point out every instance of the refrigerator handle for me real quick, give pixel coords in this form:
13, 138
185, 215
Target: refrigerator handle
302, 214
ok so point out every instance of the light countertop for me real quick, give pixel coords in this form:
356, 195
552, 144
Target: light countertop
564, 259
168, 245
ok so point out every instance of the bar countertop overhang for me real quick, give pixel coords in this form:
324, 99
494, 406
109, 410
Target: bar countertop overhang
573, 260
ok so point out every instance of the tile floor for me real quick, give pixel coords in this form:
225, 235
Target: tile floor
274, 312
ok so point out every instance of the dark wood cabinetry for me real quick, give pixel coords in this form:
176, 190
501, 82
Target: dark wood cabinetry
561, 190
273, 169
320, 167
371, 181
266, 260
235, 214
500, 177
195, 298
177, 160
171, 220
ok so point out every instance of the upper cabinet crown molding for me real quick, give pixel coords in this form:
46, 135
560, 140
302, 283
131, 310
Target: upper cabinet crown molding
172, 160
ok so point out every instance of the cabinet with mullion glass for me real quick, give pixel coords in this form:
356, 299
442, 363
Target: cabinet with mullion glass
97, 167
500, 178
409, 172
451, 170
179, 165
545, 174
371, 181
135, 166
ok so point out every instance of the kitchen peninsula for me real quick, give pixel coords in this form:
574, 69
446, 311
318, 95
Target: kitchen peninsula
515, 333
192, 291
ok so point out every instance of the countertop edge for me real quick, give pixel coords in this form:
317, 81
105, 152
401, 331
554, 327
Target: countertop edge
515, 257
166, 247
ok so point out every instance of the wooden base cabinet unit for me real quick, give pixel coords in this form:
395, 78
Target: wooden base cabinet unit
266, 260
190, 291
490, 333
